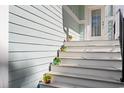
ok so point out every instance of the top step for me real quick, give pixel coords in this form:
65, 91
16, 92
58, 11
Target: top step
93, 43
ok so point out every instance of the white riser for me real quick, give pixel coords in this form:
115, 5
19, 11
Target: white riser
88, 43
86, 82
95, 72
107, 63
94, 48
91, 55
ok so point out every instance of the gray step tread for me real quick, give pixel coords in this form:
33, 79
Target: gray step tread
105, 42
92, 67
72, 58
87, 45
90, 45
81, 58
94, 40
88, 77
90, 52
94, 46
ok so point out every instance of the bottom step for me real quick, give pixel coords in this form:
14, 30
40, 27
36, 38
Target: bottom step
60, 85
87, 81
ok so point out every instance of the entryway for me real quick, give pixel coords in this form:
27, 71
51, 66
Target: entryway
96, 20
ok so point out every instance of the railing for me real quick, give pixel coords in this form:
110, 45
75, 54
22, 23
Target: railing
120, 26
66, 30
121, 38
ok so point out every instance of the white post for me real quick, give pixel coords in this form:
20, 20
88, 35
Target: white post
117, 24
4, 46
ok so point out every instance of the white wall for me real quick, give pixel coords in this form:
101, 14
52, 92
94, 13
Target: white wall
116, 8
69, 21
35, 35
3, 46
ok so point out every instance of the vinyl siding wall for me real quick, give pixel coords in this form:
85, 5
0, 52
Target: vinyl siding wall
35, 35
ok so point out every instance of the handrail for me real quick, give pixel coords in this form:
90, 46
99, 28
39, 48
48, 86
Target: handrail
121, 39
66, 30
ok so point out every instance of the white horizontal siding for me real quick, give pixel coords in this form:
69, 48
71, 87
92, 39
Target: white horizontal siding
27, 55
27, 71
34, 32
28, 79
29, 23
48, 14
52, 10
29, 63
29, 47
28, 13
35, 35
29, 39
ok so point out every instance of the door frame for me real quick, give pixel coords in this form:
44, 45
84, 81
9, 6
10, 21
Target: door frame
90, 8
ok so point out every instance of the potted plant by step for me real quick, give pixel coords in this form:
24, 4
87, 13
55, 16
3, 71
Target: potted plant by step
63, 48
70, 37
56, 61
47, 78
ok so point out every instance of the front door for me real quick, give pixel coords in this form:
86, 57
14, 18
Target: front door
96, 21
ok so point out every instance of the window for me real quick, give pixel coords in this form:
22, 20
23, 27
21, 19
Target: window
96, 22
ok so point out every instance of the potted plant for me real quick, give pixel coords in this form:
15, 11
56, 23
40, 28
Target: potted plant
47, 78
63, 48
56, 61
70, 37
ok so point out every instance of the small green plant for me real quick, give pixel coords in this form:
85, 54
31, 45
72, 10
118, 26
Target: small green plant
63, 48
56, 61
47, 78
70, 37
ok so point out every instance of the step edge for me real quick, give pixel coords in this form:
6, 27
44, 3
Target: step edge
81, 77
91, 59
82, 67
50, 85
94, 45
69, 84
89, 52
94, 40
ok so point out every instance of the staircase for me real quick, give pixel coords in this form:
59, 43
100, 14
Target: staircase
88, 64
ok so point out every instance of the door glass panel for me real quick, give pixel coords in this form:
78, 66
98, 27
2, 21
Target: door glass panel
96, 22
